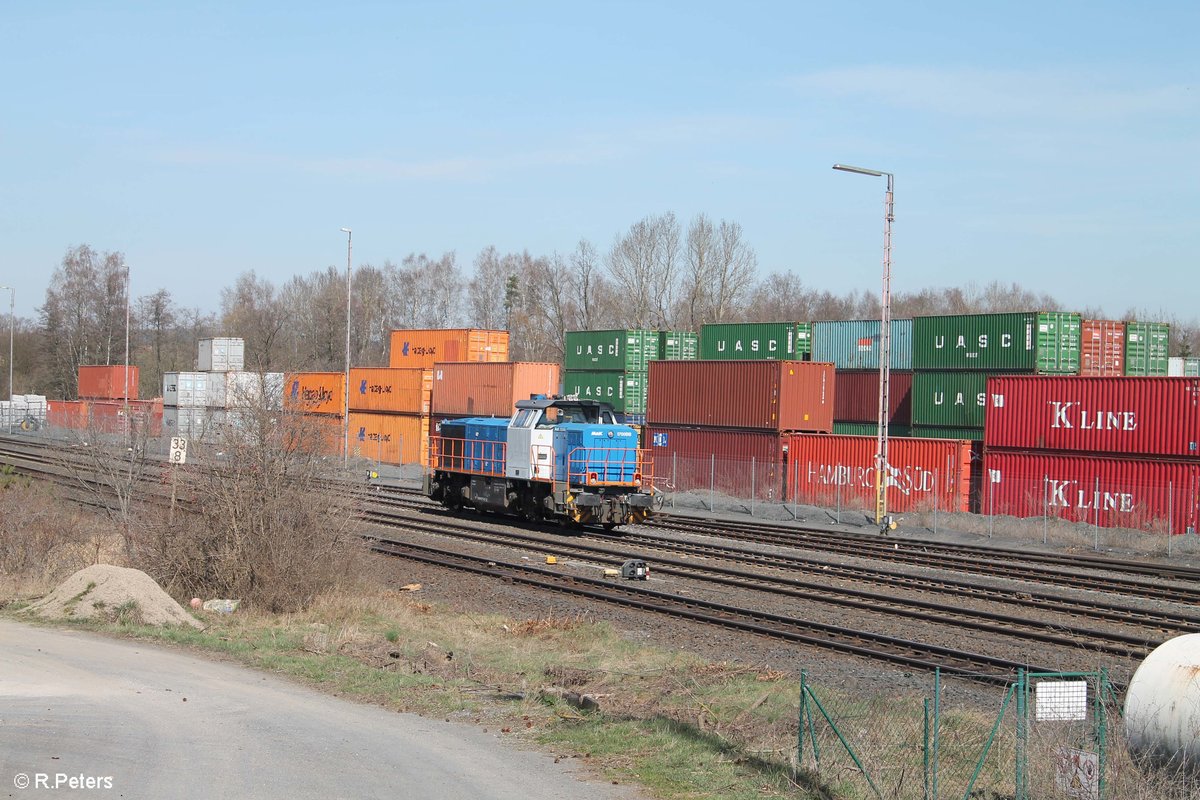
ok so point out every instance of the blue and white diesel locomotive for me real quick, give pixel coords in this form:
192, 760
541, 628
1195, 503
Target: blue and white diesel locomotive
556, 457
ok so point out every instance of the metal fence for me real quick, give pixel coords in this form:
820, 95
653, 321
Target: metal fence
1050, 735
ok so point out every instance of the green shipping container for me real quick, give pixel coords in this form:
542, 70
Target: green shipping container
678, 346
1046, 342
1146, 348
869, 429
616, 351
624, 391
756, 341
949, 399
974, 434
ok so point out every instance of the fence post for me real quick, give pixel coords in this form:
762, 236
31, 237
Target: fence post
753, 469
937, 726
838, 485
795, 489
1045, 508
712, 483
1170, 520
937, 499
991, 504
674, 479
1096, 503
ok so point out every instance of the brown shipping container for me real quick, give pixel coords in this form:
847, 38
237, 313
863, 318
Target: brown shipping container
924, 474
389, 438
1121, 416
400, 391
490, 390
1141, 494
107, 382
765, 395
1102, 348
856, 396
741, 463
71, 414
315, 392
422, 348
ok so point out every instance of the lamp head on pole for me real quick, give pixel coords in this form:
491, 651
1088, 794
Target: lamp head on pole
861, 170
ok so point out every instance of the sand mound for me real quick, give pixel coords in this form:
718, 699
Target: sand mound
103, 591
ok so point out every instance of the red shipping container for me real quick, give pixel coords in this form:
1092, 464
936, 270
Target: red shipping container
1141, 494
924, 474
109, 416
856, 396
490, 389
741, 463
107, 382
1127, 416
72, 414
1102, 348
764, 395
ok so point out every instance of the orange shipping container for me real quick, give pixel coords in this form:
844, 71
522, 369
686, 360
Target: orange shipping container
71, 414
421, 348
107, 382
315, 392
400, 391
490, 390
389, 438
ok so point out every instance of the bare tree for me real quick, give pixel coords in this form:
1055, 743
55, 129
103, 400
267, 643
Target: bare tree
643, 265
254, 311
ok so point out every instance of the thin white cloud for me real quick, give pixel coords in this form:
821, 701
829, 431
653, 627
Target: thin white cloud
1002, 93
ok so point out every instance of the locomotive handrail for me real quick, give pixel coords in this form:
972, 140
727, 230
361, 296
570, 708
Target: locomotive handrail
471, 456
580, 461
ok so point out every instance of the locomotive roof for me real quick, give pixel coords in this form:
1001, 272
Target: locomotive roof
547, 402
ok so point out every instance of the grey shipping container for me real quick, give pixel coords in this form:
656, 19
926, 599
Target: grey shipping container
619, 350
854, 344
756, 341
1047, 342
1146, 348
187, 389
221, 355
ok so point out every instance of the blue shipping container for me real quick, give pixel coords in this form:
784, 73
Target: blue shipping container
854, 344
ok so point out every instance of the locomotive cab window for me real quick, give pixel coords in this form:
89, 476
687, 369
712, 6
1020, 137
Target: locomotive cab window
525, 418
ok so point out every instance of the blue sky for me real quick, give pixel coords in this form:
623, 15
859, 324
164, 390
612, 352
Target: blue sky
1053, 144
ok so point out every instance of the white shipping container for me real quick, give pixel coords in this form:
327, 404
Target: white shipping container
245, 390
24, 412
185, 389
221, 355
199, 424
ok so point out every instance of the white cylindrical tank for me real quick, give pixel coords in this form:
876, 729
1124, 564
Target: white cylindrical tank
1162, 705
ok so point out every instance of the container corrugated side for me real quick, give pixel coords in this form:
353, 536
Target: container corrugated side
756, 341
856, 396
399, 391
1181, 367
248, 391
107, 382
1125, 415
1102, 348
69, 414
1046, 342
923, 474
934, 432
854, 344
143, 417
615, 350
315, 392
767, 395
1146, 346
389, 438
1139, 494
740, 463
624, 391
224, 354
484, 389
949, 399
421, 348
679, 346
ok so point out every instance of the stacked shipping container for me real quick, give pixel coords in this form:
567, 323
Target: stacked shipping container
218, 397
612, 366
756, 341
1115, 452
108, 403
